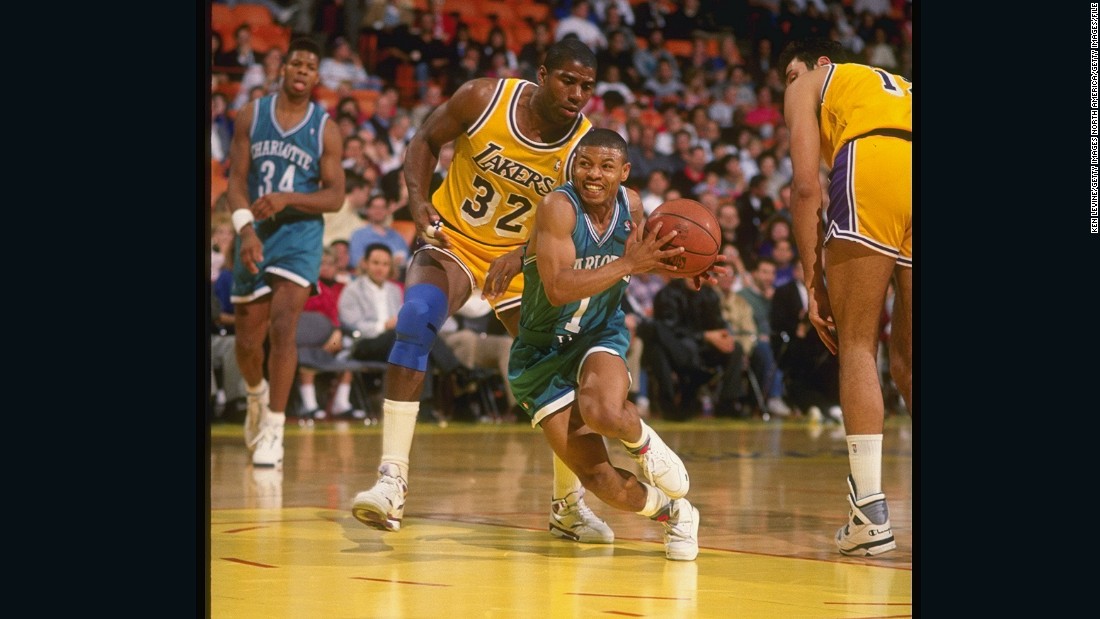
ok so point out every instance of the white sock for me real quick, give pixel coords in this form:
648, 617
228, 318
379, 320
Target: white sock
865, 460
275, 418
398, 426
655, 500
565, 481
258, 389
309, 396
646, 430
341, 401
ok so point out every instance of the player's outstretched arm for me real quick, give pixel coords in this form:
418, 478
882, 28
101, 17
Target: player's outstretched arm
240, 157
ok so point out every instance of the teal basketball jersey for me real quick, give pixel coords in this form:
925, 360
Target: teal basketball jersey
285, 160
591, 314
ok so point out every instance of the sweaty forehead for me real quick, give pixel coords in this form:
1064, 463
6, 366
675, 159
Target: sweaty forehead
599, 153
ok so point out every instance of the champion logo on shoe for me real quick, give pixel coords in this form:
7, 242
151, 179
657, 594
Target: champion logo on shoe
874, 532
641, 450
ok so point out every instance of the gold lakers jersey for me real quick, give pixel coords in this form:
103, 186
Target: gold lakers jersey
498, 175
857, 100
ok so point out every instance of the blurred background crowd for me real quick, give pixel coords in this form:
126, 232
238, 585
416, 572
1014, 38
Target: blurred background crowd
694, 88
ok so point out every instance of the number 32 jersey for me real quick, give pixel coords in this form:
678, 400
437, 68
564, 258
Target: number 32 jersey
498, 175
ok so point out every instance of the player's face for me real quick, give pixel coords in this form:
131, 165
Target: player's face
300, 73
798, 67
568, 88
597, 173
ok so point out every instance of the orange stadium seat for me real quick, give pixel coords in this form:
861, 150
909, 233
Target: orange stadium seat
535, 11
681, 48
326, 97
253, 15
229, 89
267, 36
221, 17
406, 229
218, 181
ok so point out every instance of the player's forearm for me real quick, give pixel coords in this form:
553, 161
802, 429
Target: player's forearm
575, 284
420, 162
328, 200
805, 208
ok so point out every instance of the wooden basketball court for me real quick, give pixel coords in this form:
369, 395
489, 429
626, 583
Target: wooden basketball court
474, 542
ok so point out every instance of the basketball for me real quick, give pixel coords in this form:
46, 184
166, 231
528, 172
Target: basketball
698, 234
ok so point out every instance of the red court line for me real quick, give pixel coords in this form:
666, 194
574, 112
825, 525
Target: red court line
243, 562
633, 597
244, 529
400, 582
872, 603
619, 612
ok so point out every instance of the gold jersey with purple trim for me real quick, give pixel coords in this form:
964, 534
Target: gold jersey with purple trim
857, 100
867, 141
495, 182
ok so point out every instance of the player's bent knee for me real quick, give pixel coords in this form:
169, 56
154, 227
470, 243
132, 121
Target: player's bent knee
418, 322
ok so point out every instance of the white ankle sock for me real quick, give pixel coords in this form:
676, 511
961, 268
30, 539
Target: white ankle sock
341, 401
865, 460
655, 500
646, 430
258, 389
565, 481
398, 426
309, 396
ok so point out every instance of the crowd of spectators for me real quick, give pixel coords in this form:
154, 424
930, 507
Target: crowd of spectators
692, 85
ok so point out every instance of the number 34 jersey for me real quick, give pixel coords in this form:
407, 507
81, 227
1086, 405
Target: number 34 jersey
498, 175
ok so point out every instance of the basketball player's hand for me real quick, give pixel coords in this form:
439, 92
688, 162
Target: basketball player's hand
268, 205
429, 224
252, 250
644, 253
710, 276
821, 316
500, 274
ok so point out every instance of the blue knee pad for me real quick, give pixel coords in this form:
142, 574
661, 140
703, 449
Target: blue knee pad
419, 320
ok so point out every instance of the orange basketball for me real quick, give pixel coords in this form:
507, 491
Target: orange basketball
698, 234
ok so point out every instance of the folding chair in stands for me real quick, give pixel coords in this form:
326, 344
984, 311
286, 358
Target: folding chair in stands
314, 329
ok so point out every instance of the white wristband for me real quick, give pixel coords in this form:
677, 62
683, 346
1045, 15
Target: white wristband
241, 218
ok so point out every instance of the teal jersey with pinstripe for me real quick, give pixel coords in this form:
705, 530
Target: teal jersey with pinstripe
285, 160
545, 361
593, 313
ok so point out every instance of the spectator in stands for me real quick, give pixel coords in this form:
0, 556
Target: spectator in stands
650, 16
754, 208
376, 230
221, 127
533, 52
758, 291
344, 64
688, 19
646, 59
351, 216
445, 25
783, 254
687, 345
265, 75
327, 302
656, 186
619, 56
766, 112
811, 372
613, 14
693, 173
368, 311
237, 60
737, 313
578, 23
497, 43
644, 158
611, 81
